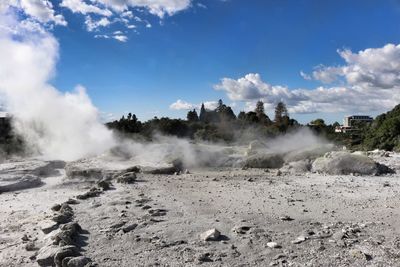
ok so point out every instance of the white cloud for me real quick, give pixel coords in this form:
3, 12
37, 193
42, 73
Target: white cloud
159, 8
40, 10
305, 76
183, 105
79, 6
121, 38
251, 88
377, 68
92, 25
119, 11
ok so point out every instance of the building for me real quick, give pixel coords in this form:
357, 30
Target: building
348, 123
349, 120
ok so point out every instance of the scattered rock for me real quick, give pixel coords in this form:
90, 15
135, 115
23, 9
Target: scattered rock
93, 192
273, 161
48, 226
63, 252
27, 181
30, 246
299, 240
157, 212
56, 207
72, 170
205, 257
273, 245
129, 227
80, 261
211, 235
127, 178
72, 201
356, 253
45, 256
241, 229
105, 185
286, 218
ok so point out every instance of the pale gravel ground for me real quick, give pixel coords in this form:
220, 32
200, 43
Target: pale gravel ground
222, 199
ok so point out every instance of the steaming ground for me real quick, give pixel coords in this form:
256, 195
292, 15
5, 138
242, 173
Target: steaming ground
291, 215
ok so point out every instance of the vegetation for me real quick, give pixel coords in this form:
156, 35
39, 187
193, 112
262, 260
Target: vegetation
220, 124
384, 132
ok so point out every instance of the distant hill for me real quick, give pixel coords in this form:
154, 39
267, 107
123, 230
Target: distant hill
384, 132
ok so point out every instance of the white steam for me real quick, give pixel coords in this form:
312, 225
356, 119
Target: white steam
54, 124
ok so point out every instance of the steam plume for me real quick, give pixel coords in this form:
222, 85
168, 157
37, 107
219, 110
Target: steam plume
54, 124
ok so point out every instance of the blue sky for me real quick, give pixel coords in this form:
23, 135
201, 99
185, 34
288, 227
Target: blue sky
186, 52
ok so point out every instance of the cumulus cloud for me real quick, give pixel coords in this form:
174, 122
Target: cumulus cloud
40, 10
252, 88
94, 25
375, 68
183, 105
79, 6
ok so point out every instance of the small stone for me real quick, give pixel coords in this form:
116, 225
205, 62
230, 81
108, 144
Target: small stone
286, 218
273, 245
105, 185
80, 261
129, 228
356, 253
56, 207
211, 235
72, 201
241, 229
205, 257
299, 240
48, 226
63, 252
127, 178
30, 246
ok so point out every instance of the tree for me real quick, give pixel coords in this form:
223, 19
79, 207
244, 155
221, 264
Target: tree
280, 112
220, 106
203, 112
192, 116
318, 123
260, 112
282, 119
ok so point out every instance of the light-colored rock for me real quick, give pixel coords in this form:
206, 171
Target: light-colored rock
342, 162
210, 235
273, 245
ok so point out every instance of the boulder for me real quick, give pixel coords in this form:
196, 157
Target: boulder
342, 162
271, 160
297, 167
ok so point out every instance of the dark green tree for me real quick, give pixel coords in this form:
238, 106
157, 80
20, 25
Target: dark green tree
192, 116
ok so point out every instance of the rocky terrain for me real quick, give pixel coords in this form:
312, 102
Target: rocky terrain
311, 210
